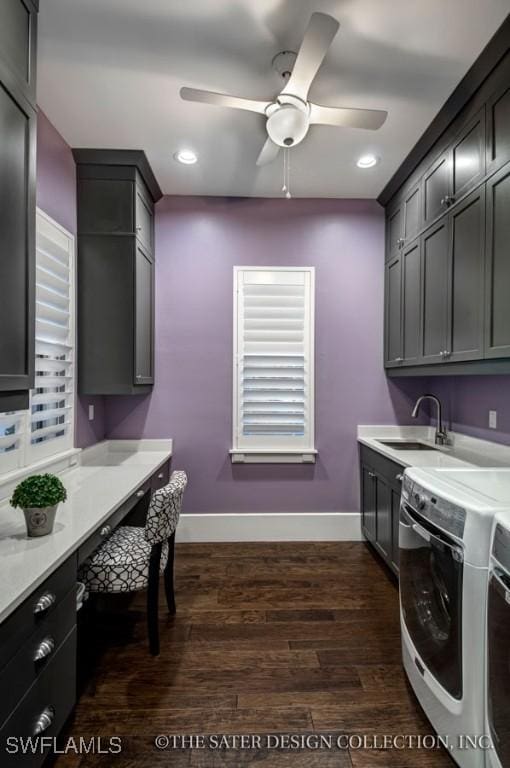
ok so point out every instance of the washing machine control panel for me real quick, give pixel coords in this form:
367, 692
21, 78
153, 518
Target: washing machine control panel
443, 513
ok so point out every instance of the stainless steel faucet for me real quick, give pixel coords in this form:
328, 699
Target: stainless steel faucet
441, 436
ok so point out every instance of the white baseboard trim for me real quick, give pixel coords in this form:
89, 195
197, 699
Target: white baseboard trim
274, 526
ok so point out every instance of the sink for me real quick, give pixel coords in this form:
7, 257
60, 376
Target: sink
407, 445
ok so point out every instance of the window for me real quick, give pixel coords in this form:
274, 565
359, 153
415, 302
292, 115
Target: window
47, 428
273, 409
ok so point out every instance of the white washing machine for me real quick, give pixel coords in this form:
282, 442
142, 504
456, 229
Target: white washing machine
498, 645
446, 519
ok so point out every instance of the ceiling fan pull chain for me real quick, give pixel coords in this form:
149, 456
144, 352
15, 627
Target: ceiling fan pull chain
287, 184
284, 187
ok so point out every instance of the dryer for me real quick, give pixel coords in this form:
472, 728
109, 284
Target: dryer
446, 519
498, 645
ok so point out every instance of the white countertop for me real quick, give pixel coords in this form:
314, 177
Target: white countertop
462, 452
107, 474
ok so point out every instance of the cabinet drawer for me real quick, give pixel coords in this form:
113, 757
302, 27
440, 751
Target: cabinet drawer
387, 468
161, 477
36, 654
53, 693
33, 613
108, 526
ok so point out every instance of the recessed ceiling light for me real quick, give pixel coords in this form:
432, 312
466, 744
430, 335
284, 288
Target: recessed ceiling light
186, 157
367, 161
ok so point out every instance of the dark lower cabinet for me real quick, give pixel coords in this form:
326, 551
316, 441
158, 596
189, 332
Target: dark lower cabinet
116, 265
380, 481
17, 201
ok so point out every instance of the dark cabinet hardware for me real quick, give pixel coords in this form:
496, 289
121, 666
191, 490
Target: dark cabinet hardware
448, 200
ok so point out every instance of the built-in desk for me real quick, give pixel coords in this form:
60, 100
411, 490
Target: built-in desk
38, 584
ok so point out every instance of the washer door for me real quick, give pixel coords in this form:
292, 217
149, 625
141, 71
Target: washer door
431, 571
498, 639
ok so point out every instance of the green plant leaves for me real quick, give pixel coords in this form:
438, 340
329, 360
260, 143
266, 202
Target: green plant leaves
38, 491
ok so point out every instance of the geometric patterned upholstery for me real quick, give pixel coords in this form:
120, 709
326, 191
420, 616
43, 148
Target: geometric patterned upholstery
121, 563
165, 508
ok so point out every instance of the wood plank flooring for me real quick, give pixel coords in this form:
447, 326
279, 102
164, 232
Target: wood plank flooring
298, 638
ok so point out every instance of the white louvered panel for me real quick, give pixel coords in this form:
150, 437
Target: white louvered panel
274, 364
52, 399
12, 431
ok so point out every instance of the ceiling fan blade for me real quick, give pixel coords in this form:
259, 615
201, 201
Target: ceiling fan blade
318, 37
371, 119
224, 100
268, 153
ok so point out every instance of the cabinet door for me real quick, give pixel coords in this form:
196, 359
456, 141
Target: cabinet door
436, 188
498, 129
368, 502
144, 318
412, 213
434, 293
468, 156
144, 220
467, 251
18, 41
393, 313
106, 207
497, 299
395, 513
17, 248
383, 518
411, 302
394, 231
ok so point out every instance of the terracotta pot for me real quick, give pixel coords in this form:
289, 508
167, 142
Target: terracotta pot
40, 520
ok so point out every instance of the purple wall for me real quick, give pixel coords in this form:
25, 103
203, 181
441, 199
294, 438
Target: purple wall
198, 241
56, 196
468, 400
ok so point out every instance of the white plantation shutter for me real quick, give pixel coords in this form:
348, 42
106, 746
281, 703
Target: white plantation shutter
12, 433
274, 362
51, 415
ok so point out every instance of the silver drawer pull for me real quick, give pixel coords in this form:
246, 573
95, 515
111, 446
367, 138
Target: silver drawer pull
105, 530
44, 721
44, 649
399, 477
140, 493
161, 476
138, 227
45, 602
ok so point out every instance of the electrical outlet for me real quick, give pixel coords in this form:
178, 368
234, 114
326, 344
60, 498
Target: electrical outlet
493, 419
91, 413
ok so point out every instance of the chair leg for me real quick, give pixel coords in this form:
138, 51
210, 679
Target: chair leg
169, 576
152, 599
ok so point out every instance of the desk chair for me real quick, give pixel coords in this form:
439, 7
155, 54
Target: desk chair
132, 558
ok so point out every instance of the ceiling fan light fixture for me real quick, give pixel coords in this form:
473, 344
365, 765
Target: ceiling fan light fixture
367, 161
186, 157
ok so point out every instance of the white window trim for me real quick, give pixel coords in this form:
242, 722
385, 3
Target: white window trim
30, 460
267, 454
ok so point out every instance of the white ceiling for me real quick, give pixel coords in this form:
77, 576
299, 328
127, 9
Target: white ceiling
110, 73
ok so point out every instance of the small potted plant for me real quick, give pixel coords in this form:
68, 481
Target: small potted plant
39, 496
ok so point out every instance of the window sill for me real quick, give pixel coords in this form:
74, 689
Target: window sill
56, 463
239, 456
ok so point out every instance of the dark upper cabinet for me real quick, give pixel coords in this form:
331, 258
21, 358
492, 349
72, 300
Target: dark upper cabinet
394, 231
498, 128
393, 306
411, 302
18, 47
17, 203
468, 157
116, 196
412, 212
497, 300
434, 301
436, 188
466, 278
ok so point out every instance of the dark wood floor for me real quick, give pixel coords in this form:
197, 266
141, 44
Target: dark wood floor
268, 638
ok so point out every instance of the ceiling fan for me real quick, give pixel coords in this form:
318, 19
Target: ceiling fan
290, 115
